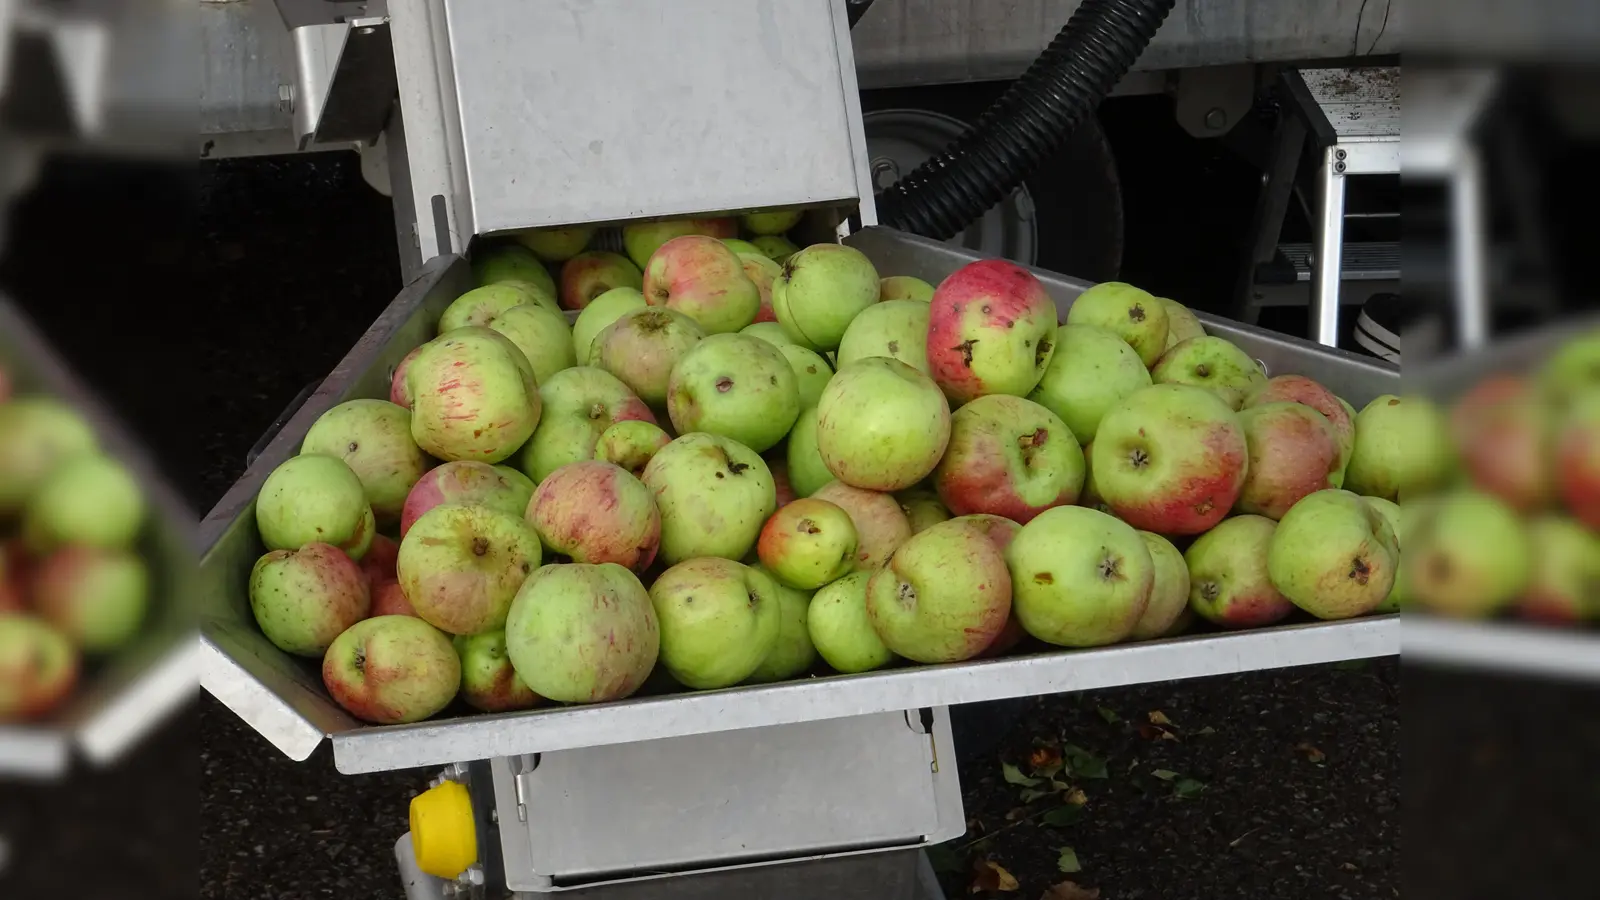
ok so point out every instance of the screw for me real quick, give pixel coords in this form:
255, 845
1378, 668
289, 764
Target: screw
1216, 118
1338, 167
884, 172
1338, 154
286, 97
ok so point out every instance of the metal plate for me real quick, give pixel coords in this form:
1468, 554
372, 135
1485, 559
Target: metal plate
283, 699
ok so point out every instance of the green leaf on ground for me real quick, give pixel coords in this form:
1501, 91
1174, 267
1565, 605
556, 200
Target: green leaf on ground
1013, 775
1082, 763
1031, 794
1164, 774
1187, 787
1068, 861
945, 860
1109, 714
1062, 816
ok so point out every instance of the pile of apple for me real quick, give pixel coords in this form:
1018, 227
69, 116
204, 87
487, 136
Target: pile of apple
731, 466
73, 583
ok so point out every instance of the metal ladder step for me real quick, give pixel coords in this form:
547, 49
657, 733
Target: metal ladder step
1362, 261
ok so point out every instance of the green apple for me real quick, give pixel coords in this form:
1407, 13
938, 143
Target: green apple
1333, 555
543, 336
631, 444
595, 512
1229, 581
500, 261
489, 683
1091, 371
601, 312
1293, 452
314, 499
1402, 449
643, 239
991, 330
304, 598
373, 437
642, 346
881, 424
762, 272
881, 525
771, 332
579, 405
1391, 514
1564, 582
555, 244
736, 386
1182, 324
808, 543
897, 329
39, 667
583, 633
841, 629
821, 290
1572, 369
1135, 315
701, 278
807, 471
467, 483
943, 596
1169, 593
904, 287
460, 566
1212, 363
793, 653
777, 247
719, 620
775, 221
592, 273
1469, 555
1079, 577
745, 248
36, 434
482, 305
474, 396
923, 508
392, 670
811, 372
90, 500
1008, 457
714, 494
98, 598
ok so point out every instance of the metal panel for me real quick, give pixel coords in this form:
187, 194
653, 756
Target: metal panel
246, 69
294, 696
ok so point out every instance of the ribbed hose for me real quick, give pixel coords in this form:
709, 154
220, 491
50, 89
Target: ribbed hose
1029, 123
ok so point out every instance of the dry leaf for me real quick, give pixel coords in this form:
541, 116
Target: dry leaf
1157, 717
1075, 797
1156, 733
1312, 753
1070, 890
1045, 758
988, 875
1015, 814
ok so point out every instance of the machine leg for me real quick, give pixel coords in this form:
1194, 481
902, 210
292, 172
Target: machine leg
1330, 249
1468, 226
419, 885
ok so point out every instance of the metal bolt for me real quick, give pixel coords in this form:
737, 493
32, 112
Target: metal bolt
1339, 154
1339, 167
286, 97
365, 30
494, 815
1216, 118
884, 172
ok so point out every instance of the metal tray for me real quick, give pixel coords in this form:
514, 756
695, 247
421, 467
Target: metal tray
126, 697
284, 700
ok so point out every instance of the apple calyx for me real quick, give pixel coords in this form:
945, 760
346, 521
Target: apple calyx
480, 546
906, 594
1209, 590
1138, 458
806, 526
1361, 571
1136, 312
1202, 371
1111, 569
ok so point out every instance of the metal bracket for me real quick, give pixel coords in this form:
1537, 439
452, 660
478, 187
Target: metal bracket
345, 82
1211, 100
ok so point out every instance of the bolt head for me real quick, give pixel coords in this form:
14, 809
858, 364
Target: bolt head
1216, 117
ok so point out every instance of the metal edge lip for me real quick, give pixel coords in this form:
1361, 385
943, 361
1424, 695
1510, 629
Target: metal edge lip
33, 752
1502, 646
423, 744
264, 711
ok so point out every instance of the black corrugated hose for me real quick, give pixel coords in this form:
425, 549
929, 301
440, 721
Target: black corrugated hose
1029, 122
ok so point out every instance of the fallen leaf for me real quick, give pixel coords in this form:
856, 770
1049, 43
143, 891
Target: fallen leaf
1348, 867
1164, 774
1187, 787
1075, 797
1031, 794
1157, 717
1312, 753
1207, 730
945, 860
1013, 775
1062, 816
1070, 890
1068, 861
1082, 763
1015, 814
1109, 714
988, 875
1044, 758
1156, 732
1056, 785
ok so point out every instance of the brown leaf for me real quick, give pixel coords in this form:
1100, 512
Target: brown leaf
1156, 733
1070, 890
1157, 717
1075, 797
1312, 753
1045, 758
988, 875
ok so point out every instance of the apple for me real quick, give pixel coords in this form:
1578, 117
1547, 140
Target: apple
1300, 389
1135, 315
1577, 449
736, 386
92, 500
489, 683
714, 494
762, 272
36, 435
579, 405
631, 444
1229, 581
744, 248
13, 596
991, 330
1008, 457
98, 598
543, 336
373, 437
595, 512
1402, 448
701, 278
811, 372
1001, 531
38, 667
807, 471
1501, 428
943, 596
501, 261
881, 525
481, 305
1182, 324
555, 244
1562, 583
598, 315
314, 499
1091, 371
821, 289
643, 239
1333, 555
1572, 369
392, 670
793, 653
467, 483
1468, 556
808, 543
777, 247
1170, 459
304, 598
841, 629
592, 273
583, 633
776, 221
771, 332
461, 565
1293, 452
389, 599
894, 328
474, 396
719, 620
399, 390
1090, 495
780, 479
1391, 513
1169, 593
922, 508
1212, 363
1079, 577
904, 287
641, 348
881, 424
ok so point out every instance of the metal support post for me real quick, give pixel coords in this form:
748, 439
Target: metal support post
1470, 249
1330, 248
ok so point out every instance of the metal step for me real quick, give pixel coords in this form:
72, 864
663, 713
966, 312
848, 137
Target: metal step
1363, 261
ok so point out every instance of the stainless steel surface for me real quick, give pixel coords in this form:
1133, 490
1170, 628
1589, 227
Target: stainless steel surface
417, 884
891, 875
133, 692
282, 697
1361, 103
1209, 101
711, 801
1469, 241
345, 81
905, 42
1507, 647
245, 57
1329, 262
